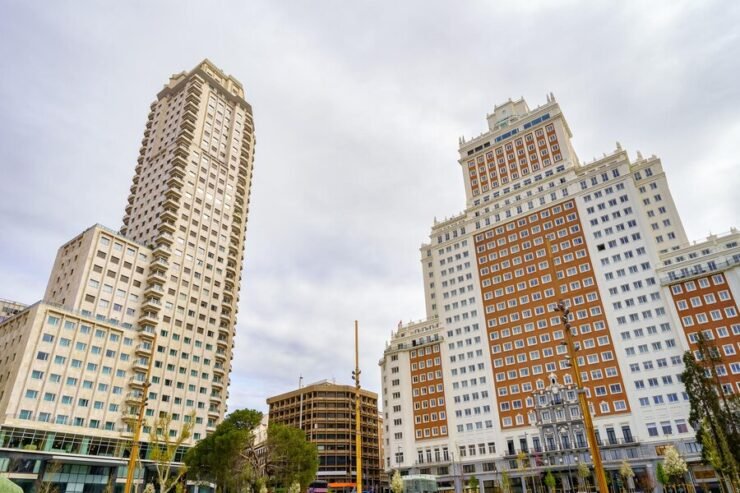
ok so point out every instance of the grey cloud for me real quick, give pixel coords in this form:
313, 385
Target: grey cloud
358, 107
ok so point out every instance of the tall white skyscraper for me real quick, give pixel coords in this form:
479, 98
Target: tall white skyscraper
154, 302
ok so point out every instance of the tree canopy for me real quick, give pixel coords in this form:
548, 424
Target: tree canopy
229, 457
550, 480
714, 414
675, 467
661, 475
163, 450
397, 482
290, 457
473, 483
218, 457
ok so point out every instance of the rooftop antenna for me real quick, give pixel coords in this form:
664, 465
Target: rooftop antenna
300, 412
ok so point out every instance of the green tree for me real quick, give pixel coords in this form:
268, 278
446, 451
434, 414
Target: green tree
661, 475
584, 473
295, 487
716, 413
711, 452
290, 457
505, 482
473, 484
164, 448
625, 470
674, 466
220, 457
550, 481
397, 482
523, 463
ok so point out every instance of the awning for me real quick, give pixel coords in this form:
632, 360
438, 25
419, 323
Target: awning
96, 461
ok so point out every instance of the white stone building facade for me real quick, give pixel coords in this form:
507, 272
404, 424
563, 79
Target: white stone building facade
613, 228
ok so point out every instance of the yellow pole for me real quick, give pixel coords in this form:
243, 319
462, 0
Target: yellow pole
358, 427
139, 421
587, 421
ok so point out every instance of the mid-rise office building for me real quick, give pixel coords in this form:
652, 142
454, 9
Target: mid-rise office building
460, 387
325, 411
141, 316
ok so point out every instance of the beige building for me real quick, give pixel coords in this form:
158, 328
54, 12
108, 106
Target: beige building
154, 303
8, 308
326, 412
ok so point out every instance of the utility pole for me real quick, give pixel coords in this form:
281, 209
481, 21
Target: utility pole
573, 360
139, 422
358, 427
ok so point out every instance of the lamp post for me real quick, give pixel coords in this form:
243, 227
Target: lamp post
454, 472
565, 430
138, 423
358, 426
571, 347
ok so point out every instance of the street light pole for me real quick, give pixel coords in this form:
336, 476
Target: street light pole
569, 344
358, 427
454, 473
139, 422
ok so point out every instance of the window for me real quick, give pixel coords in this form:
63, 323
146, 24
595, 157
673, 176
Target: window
652, 429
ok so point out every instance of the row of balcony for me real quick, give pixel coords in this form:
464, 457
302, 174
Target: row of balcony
166, 239
175, 179
181, 151
167, 226
161, 250
190, 112
144, 348
168, 214
149, 317
147, 331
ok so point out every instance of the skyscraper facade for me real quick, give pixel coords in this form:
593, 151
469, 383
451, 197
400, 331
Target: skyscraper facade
143, 314
461, 388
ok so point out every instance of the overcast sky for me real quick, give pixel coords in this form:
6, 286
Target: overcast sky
358, 107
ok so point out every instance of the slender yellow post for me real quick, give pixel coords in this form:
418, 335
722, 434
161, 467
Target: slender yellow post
139, 421
358, 427
587, 421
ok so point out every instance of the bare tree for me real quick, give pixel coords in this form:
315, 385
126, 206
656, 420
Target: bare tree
164, 448
44, 486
